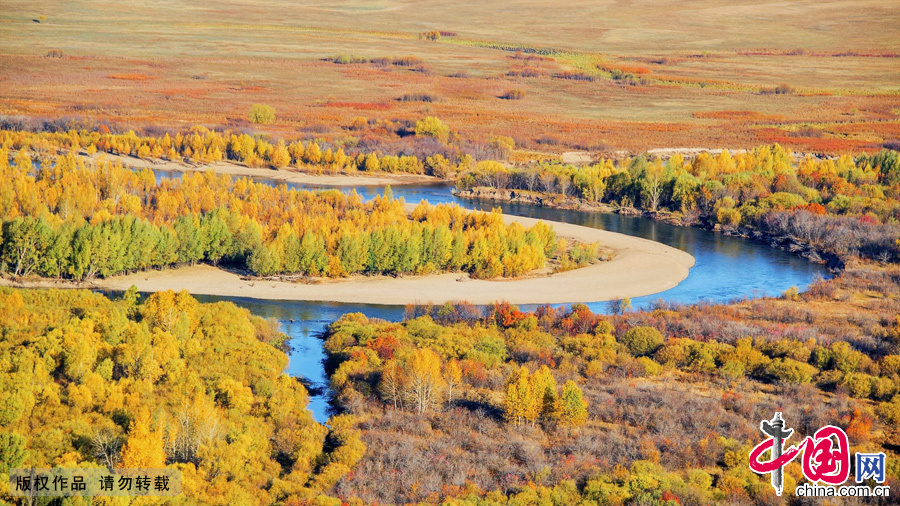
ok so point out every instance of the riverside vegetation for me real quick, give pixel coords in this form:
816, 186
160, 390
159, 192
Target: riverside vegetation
465, 405
68, 218
557, 406
837, 206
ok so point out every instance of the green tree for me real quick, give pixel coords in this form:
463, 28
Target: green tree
190, 247
262, 261
571, 407
24, 242
353, 253
215, 237
12, 451
313, 258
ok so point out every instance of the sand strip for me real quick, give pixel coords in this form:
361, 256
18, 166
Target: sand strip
286, 175
639, 267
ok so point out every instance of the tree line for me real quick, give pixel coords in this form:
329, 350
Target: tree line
860, 196
68, 218
202, 145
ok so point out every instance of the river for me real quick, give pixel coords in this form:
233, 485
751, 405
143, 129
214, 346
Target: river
727, 269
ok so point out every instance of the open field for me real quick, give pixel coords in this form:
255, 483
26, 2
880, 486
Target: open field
638, 267
633, 76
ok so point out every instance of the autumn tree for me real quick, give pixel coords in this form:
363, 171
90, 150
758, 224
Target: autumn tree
522, 403
430, 126
261, 114
452, 377
280, 156
543, 386
12, 451
393, 385
144, 447
571, 407
651, 182
424, 380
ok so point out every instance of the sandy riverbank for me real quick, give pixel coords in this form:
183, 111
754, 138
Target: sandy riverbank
639, 267
286, 175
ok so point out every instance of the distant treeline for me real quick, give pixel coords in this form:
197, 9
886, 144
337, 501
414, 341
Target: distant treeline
844, 206
77, 220
201, 145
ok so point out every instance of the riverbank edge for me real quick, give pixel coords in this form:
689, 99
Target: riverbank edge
786, 243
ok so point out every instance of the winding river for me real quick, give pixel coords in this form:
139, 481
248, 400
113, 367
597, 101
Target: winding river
727, 268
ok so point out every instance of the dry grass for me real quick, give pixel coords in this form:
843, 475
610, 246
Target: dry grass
682, 69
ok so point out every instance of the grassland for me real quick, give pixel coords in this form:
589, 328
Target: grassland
652, 74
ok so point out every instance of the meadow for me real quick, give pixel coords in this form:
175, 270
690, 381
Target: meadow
820, 77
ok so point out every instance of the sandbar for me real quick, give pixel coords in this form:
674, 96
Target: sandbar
638, 267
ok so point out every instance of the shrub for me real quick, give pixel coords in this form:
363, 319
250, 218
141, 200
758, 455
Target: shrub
642, 341
729, 217
890, 411
790, 371
417, 97
262, 114
347, 59
783, 89
430, 126
430, 35
513, 95
859, 385
651, 368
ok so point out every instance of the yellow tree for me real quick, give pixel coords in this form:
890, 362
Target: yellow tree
371, 164
313, 153
652, 182
393, 383
144, 448
424, 381
521, 402
280, 155
543, 385
453, 375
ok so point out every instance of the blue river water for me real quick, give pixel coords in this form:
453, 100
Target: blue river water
727, 269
